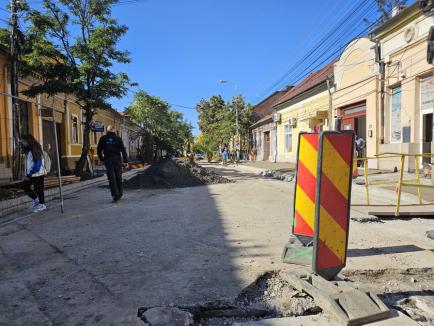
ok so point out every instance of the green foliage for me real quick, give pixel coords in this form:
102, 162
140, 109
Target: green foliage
72, 46
217, 121
4, 38
161, 125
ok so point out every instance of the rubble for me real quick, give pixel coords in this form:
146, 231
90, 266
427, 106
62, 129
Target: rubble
174, 174
366, 219
274, 293
269, 296
277, 175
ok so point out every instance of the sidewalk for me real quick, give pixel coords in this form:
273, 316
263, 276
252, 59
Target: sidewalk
16, 204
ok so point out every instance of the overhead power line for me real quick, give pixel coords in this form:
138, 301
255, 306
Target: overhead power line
318, 45
329, 56
341, 33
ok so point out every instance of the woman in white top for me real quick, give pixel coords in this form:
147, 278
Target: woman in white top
35, 172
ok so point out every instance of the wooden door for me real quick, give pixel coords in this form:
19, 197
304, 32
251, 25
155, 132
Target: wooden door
266, 146
49, 143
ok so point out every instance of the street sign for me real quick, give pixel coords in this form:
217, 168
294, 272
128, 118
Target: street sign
305, 189
97, 126
332, 209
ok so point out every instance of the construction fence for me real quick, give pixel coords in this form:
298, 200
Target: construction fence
404, 179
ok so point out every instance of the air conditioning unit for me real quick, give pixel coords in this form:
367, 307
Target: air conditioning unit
276, 117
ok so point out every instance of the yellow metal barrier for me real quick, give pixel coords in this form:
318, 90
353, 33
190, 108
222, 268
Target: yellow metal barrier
401, 182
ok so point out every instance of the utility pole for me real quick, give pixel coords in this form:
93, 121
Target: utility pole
382, 66
237, 126
330, 113
13, 57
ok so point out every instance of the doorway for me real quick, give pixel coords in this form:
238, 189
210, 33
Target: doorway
266, 146
49, 143
427, 135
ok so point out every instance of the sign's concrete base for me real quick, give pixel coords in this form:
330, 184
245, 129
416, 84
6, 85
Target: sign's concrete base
396, 319
295, 252
345, 301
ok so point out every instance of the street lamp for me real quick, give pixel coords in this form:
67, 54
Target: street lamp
222, 81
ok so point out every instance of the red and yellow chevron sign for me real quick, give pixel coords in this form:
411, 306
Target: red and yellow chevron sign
304, 199
333, 203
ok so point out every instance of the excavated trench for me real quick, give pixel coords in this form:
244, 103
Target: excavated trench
270, 296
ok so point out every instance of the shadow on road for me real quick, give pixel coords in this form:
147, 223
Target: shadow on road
383, 250
99, 262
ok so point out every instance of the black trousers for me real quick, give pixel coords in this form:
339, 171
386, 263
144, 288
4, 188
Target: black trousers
34, 187
114, 175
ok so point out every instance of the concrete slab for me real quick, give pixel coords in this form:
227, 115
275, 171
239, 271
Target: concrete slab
397, 319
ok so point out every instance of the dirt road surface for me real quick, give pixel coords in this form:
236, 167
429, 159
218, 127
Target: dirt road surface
98, 262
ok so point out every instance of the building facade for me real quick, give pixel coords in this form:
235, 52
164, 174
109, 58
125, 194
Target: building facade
304, 108
36, 118
403, 121
263, 130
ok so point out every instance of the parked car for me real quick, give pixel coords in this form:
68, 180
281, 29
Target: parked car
198, 156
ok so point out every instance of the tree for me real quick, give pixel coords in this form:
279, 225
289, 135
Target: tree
217, 121
160, 125
72, 46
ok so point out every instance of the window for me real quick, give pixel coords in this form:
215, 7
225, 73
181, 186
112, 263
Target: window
288, 138
24, 118
395, 116
427, 94
74, 121
95, 138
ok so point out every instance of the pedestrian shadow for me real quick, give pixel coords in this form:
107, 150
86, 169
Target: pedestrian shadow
383, 250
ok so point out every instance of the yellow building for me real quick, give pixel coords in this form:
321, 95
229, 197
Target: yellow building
404, 123
304, 108
36, 119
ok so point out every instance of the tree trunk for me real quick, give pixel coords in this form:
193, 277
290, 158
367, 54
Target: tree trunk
79, 168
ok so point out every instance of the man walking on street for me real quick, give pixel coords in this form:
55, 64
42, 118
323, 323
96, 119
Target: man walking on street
110, 148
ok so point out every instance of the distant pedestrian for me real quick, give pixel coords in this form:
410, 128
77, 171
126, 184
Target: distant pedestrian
35, 172
360, 145
110, 148
225, 155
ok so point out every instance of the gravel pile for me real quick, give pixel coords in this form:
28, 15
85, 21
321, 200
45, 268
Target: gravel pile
274, 293
174, 174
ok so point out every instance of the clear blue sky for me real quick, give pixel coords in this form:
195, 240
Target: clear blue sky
180, 49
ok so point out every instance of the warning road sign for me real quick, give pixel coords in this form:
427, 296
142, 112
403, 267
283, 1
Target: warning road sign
333, 203
304, 198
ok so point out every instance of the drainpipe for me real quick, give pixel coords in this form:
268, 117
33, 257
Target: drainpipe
275, 142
